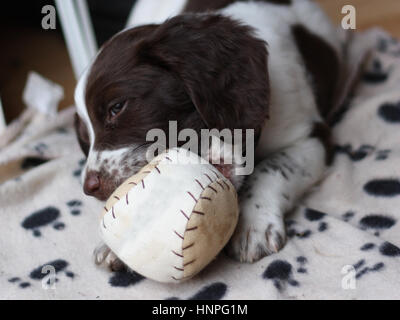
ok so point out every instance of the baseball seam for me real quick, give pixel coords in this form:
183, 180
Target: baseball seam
216, 180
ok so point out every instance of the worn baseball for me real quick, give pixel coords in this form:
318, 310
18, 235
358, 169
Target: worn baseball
172, 218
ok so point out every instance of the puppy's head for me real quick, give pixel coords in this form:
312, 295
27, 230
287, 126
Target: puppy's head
203, 71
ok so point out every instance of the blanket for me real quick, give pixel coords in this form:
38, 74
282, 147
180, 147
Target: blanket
343, 237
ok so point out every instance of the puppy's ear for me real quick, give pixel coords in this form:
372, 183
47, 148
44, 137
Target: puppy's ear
82, 134
223, 67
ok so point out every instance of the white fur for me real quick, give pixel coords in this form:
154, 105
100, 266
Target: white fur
285, 148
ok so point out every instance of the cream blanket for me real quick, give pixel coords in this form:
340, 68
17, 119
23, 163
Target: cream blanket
344, 238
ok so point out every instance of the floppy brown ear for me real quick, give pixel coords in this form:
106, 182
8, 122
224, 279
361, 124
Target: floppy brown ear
222, 65
82, 134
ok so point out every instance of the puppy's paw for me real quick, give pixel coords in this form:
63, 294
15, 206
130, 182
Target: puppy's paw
103, 255
252, 241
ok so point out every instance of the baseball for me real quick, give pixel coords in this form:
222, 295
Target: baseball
172, 218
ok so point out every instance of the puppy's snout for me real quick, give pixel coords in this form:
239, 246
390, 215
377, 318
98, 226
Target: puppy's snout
92, 185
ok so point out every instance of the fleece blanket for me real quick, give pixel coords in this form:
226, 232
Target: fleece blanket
343, 237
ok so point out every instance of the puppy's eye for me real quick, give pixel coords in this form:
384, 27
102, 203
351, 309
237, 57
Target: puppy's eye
116, 108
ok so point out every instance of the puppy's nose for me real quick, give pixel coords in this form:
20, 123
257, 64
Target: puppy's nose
92, 183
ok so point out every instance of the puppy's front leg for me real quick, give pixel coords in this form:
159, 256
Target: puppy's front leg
273, 188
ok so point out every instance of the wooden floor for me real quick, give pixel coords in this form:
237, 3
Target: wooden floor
45, 51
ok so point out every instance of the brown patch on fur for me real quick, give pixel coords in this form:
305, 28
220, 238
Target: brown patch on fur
210, 5
82, 134
164, 73
322, 63
203, 71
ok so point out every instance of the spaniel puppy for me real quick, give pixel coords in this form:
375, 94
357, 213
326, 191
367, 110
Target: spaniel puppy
271, 66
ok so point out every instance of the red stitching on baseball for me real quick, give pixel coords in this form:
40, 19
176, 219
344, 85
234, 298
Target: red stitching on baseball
178, 235
179, 255
127, 202
199, 183
212, 189
229, 188
168, 158
105, 209
133, 183
104, 224
143, 183
116, 197
180, 269
198, 212
188, 246
157, 169
205, 198
112, 212
220, 184
192, 196
215, 173
147, 171
211, 180
190, 262
185, 214
191, 229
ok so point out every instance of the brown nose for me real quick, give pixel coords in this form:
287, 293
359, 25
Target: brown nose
92, 183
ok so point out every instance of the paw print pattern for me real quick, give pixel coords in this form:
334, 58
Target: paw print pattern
390, 113
362, 152
77, 172
75, 207
376, 222
386, 249
383, 187
347, 216
390, 250
361, 269
376, 74
280, 272
42, 218
302, 261
125, 278
214, 291
40, 273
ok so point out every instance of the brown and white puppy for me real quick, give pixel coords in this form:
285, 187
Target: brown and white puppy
271, 66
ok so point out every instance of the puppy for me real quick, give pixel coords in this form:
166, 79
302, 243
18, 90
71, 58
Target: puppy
271, 66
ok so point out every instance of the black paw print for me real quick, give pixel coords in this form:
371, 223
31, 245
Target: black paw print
41, 272
377, 223
302, 261
214, 291
347, 216
280, 272
81, 164
386, 249
125, 278
382, 154
75, 207
361, 269
42, 218
376, 74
